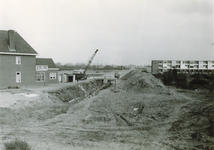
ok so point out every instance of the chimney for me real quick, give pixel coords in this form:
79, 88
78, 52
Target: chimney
11, 39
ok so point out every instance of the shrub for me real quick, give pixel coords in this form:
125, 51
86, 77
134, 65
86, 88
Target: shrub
17, 145
168, 77
199, 82
181, 79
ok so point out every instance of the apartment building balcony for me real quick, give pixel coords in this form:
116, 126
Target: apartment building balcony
210, 63
210, 66
185, 62
194, 62
205, 62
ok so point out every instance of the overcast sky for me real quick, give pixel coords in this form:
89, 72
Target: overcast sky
124, 31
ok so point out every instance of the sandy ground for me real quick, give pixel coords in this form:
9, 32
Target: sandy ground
10, 97
46, 123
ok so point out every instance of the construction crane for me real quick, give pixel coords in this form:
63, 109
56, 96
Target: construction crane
90, 61
83, 75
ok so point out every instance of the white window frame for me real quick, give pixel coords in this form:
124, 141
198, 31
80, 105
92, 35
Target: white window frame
18, 60
18, 77
40, 76
45, 67
52, 75
41, 67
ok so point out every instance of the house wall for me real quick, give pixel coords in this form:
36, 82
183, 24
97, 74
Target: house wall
155, 64
48, 80
9, 68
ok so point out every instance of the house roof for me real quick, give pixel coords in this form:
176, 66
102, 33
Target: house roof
21, 46
46, 61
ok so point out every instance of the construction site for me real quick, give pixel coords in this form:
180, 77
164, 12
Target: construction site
136, 111
106, 75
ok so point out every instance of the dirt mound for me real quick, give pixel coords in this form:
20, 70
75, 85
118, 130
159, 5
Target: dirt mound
143, 82
130, 74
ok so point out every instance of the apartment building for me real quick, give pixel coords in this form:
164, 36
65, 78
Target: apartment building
183, 66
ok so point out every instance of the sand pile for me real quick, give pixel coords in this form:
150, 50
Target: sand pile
143, 82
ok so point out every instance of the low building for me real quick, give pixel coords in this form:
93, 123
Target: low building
46, 71
66, 76
183, 66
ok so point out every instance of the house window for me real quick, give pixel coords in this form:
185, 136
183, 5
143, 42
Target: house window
45, 67
18, 77
18, 60
40, 77
52, 76
41, 68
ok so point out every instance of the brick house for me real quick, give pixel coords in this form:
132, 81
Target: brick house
17, 60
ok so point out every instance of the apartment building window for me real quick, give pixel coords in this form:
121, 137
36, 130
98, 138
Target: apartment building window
178, 62
177, 66
186, 66
18, 77
18, 60
40, 77
52, 75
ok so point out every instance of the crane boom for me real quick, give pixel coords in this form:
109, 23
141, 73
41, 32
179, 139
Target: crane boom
90, 61
83, 75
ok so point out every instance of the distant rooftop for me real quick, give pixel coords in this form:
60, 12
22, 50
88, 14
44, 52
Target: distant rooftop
46, 61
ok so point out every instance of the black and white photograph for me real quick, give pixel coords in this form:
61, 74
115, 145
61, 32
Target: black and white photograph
106, 75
